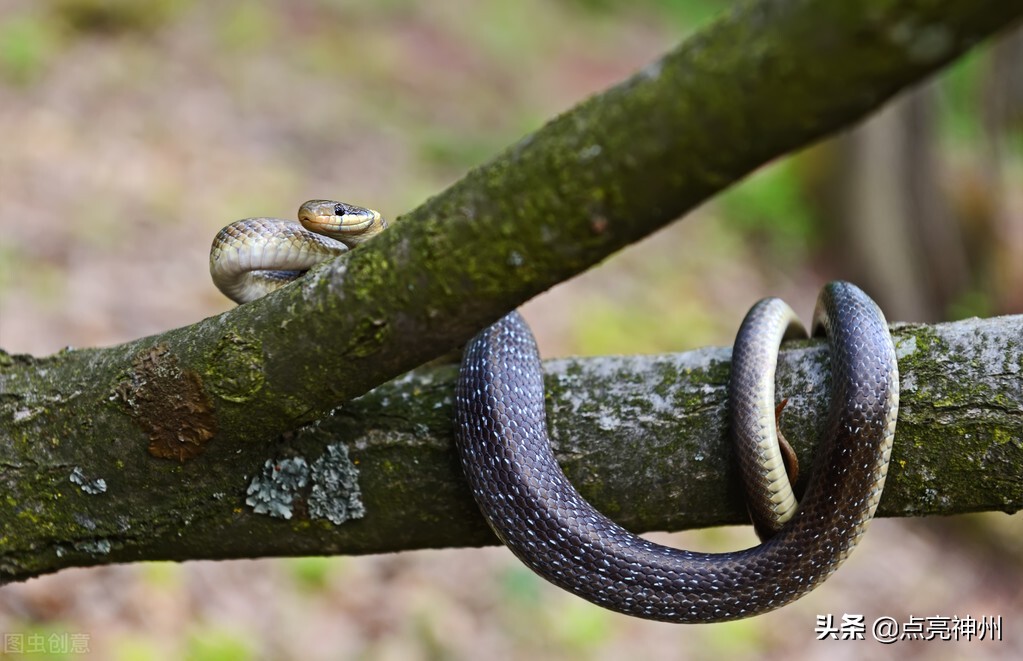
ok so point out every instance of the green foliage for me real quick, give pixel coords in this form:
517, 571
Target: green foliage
646, 325
689, 13
130, 648
771, 206
974, 303
505, 31
27, 44
161, 575
733, 640
46, 285
375, 7
218, 645
580, 627
521, 587
314, 572
961, 88
11, 266
457, 150
247, 26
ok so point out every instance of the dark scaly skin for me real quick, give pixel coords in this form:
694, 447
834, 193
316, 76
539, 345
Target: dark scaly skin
507, 458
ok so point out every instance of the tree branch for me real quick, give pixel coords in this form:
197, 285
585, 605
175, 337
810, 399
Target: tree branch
771, 77
644, 438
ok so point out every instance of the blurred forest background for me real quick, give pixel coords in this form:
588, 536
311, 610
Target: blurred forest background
132, 131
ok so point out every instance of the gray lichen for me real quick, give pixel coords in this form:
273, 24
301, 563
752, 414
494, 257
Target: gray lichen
335, 494
95, 547
91, 487
273, 491
329, 488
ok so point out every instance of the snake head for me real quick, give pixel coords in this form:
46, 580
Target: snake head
345, 222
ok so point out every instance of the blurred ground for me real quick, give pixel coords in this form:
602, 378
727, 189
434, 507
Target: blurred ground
133, 131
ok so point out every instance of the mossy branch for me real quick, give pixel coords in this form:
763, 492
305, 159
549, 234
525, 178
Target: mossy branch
644, 438
154, 420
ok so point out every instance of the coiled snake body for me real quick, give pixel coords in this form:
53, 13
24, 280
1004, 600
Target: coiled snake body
539, 515
506, 454
252, 257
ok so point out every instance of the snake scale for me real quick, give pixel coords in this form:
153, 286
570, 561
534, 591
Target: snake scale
506, 454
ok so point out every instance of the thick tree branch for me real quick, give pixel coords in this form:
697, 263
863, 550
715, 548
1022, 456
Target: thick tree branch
773, 76
644, 438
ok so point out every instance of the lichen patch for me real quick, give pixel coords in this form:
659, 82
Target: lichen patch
274, 490
335, 493
327, 488
91, 487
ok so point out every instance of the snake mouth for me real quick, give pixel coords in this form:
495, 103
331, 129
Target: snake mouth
344, 222
356, 223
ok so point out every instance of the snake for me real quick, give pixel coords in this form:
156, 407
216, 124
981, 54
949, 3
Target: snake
252, 257
535, 511
529, 503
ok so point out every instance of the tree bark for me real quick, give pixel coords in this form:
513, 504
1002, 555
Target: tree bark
155, 421
644, 438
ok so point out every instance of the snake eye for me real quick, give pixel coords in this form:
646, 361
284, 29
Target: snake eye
339, 209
